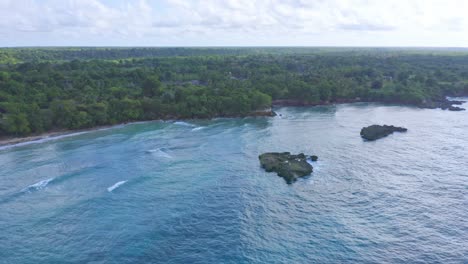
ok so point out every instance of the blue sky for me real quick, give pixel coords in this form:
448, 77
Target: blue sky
432, 23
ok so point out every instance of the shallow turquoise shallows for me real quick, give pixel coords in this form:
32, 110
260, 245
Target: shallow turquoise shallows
194, 192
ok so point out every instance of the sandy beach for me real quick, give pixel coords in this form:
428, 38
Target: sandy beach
13, 141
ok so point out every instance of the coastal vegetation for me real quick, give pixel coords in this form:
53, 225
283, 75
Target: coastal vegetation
45, 89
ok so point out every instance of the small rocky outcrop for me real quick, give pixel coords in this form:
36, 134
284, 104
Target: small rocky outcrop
443, 104
457, 102
287, 165
375, 132
456, 108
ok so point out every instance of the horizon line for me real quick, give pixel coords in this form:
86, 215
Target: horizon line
234, 46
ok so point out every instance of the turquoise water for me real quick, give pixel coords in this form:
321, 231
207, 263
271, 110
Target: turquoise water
193, 192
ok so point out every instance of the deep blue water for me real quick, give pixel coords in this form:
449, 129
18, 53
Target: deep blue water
193, 192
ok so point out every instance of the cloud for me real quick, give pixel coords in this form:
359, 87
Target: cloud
159, 20
85, 16
365, 27
302, 16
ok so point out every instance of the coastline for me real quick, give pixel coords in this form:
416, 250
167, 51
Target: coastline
8, 142
291, 102
446, 103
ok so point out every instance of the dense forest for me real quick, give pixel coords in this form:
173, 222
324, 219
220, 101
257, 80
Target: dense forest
43, 89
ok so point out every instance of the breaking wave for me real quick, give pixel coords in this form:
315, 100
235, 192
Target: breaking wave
198, 128
182, 123
38, 185
159, 152
115, 186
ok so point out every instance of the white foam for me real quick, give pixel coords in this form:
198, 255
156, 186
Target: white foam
316, 164
198, 128
38, 185
115, 186
159, 152
182, 123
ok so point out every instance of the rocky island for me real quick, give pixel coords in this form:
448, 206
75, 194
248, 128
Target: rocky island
287, 165
375, 132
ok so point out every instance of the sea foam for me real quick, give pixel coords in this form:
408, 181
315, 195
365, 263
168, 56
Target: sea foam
38, 185
159, 152
182, 123
115, 186
198, 128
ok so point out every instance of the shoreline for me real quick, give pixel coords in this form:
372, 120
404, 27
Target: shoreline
20, 141
445, 104
10, 142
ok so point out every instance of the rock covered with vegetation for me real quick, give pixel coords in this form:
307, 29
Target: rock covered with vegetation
375, 132
287, 165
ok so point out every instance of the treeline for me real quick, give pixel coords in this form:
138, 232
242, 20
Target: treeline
19, 55
44, 96
39, 96
54, 54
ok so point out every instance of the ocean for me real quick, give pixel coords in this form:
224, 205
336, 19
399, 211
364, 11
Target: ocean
193, 191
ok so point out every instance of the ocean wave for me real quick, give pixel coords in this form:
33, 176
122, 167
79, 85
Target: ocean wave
44, 183
115, 186
198, 128
38, 185
56, 180
159, 152
182, 123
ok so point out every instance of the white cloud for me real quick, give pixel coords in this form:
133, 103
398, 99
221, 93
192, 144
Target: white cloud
323, 15
82, 16
276, 22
